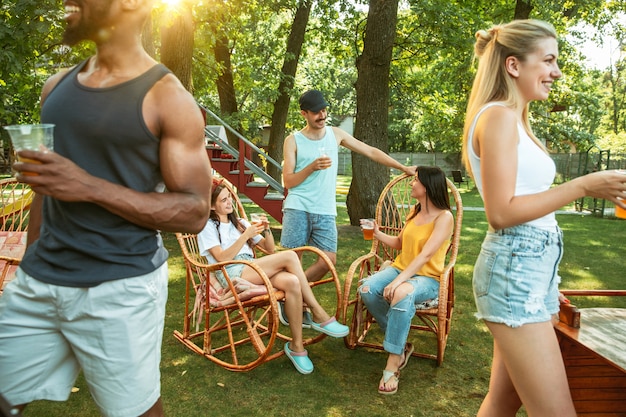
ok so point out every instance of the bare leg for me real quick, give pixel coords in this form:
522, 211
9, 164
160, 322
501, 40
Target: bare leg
317, 271
529, 357
393, 360
155, 411
288, 283
502, 399
288, 261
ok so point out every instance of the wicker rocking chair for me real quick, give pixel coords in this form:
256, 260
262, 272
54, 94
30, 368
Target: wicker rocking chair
393, 206
241, 335
15, 201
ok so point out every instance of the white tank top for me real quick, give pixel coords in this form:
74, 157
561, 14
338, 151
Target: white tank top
535, 169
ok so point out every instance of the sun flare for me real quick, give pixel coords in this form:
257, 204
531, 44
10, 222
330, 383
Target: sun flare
170, 3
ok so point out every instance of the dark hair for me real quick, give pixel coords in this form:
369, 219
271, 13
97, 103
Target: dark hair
434, 180
232, 217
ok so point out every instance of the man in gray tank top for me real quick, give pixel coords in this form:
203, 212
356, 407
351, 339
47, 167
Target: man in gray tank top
91, 290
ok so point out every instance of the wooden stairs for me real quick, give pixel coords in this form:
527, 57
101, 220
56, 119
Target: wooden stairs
238, 167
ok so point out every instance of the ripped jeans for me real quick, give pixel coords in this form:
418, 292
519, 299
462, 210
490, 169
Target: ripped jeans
395, 320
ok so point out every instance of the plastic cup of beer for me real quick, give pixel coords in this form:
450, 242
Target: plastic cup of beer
620, 213
367, 225
260, 218
34, 137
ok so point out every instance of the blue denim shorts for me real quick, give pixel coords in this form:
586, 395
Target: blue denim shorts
233, 270
516, 278
301, 228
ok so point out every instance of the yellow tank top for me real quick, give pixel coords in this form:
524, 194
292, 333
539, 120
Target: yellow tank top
413, 240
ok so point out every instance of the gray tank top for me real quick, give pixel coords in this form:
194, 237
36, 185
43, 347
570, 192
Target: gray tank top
103, 131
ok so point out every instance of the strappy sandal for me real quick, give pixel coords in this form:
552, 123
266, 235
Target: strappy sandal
408, 350
387, 375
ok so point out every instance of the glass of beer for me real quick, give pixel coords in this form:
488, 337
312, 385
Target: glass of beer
259, 218
367, 225
34, 137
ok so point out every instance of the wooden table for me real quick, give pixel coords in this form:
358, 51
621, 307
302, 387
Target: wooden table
595, 361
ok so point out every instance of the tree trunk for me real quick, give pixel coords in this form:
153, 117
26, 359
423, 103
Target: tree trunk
177, 43
372, 100
522, 9
226, 85
288, 74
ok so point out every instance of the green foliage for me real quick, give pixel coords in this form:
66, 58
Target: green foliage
29, 53
431, 71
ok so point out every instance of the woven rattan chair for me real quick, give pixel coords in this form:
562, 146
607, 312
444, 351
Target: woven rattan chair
392, 209
242, 335
15, 201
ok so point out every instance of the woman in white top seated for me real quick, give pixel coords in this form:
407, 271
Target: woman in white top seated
226, 237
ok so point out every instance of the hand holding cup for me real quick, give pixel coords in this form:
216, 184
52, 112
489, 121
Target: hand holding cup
367, 226
259, 218
323, 161
33, 137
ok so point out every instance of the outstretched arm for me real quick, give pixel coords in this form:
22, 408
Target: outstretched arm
348, 141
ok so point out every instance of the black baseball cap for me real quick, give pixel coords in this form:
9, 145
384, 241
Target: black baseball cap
313, 100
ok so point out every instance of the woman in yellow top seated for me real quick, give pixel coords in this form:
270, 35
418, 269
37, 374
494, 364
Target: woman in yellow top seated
413, 278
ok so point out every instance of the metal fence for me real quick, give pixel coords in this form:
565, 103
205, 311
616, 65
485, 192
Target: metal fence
568, 165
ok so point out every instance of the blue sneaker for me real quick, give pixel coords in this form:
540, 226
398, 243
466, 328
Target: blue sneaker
300, 360
307, 319
282, 316
331, 327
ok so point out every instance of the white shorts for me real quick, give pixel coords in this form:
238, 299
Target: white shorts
113, 332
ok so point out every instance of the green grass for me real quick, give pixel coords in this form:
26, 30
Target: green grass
344, 381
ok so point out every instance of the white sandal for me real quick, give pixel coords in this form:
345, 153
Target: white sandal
387, 375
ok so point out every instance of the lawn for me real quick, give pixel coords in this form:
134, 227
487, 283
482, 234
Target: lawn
344, 381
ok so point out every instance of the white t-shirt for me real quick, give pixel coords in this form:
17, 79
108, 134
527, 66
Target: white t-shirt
535, 169
208, 238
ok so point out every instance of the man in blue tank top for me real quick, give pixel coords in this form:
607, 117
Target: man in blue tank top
310, 175
91, 290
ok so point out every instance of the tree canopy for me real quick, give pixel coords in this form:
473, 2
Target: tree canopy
430, 73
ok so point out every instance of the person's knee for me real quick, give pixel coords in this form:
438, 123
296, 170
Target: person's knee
323, 264
401, 294
291, 257
291, 285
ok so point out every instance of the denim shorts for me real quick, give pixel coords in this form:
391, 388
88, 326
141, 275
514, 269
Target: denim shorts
301, 228
233, 270
516, 278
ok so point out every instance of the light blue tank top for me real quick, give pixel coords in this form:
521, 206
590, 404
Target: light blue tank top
317, 193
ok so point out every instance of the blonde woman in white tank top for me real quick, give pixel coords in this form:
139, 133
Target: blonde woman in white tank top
516, 278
